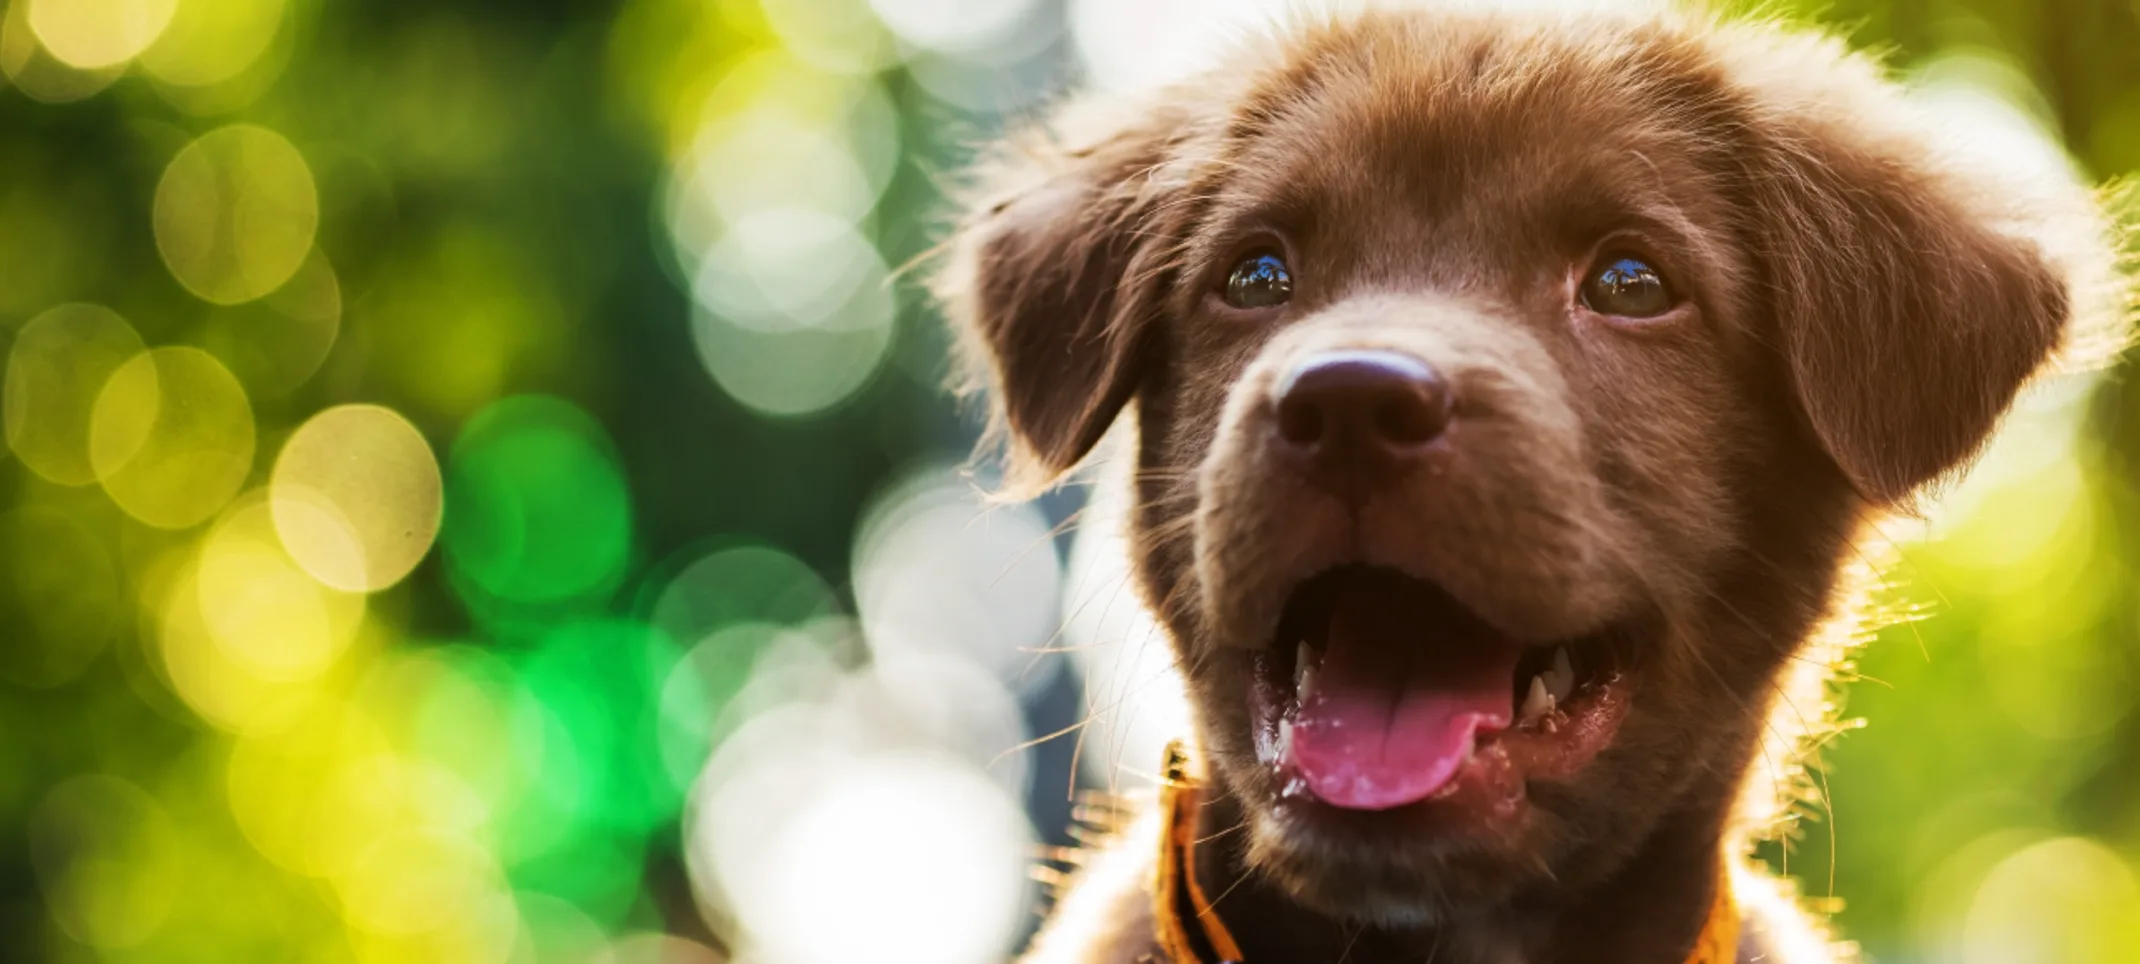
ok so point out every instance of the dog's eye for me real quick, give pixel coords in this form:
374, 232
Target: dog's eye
1628, 287
1259, 280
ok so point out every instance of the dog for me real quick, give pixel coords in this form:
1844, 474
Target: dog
1508, 395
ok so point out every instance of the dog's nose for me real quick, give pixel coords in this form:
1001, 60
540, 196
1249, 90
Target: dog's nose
1358, 416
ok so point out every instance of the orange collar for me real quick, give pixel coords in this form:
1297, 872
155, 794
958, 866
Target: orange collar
1191, 931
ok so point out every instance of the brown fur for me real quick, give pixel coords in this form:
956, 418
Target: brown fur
1860, 309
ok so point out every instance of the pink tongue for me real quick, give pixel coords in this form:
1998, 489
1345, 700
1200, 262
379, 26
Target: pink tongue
1390, 716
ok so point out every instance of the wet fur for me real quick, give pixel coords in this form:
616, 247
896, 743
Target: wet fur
1861, 309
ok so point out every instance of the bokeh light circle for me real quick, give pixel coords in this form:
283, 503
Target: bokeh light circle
603, 679
171, 436
799, 372
59, 597
842, 36
235, 213
36, 72
733, 584
775, 133
59, 363
368, 800
412, 880
555, 929
945, 881
725, 608
235, 661
782, 269
460, 710
1139, 45
276, 779
89, 34
484, 926
1007, 79
536, 506
2048, 903
697, 700
357, 497
939, 571
261, 607
211, 41
953, 25
549, 818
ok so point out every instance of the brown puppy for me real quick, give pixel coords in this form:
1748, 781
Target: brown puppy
1509, 392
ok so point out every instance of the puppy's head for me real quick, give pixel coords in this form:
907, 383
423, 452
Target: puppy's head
1507, 389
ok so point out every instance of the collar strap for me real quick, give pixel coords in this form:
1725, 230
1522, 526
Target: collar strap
1190, 930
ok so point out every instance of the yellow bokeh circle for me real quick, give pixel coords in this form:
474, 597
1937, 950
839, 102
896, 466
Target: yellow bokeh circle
261, 607
414, 880
277, 781
171, 437
218, 680
212, 681
211, 41
36, 72
485, 929
357, 497
60, 362
89, 34
235, 213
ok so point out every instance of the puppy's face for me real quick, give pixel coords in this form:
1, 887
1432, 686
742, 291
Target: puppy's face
1506, 391
1460, 394
1458, 406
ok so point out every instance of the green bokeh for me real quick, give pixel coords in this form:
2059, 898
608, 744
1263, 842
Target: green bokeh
537, 518
602, 680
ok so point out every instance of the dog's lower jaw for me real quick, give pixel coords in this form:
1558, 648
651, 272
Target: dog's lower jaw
1649, 910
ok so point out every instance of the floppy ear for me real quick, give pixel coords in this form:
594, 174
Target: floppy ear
1913, 296
1055, 278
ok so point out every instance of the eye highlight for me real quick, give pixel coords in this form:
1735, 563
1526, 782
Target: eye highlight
1259, 280
1626, 286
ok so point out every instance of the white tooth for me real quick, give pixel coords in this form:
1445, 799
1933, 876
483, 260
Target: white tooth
1285, 740
1304, 662
1537, 702
1560, 680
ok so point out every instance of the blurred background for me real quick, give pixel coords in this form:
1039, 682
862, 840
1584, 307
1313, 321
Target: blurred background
477, 488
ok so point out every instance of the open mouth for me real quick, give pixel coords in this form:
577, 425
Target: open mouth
1381, 690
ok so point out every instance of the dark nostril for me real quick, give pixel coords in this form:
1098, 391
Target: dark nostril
1300, 420
1380, 399
1408, 421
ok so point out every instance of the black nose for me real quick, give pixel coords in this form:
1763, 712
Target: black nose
1359, 416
